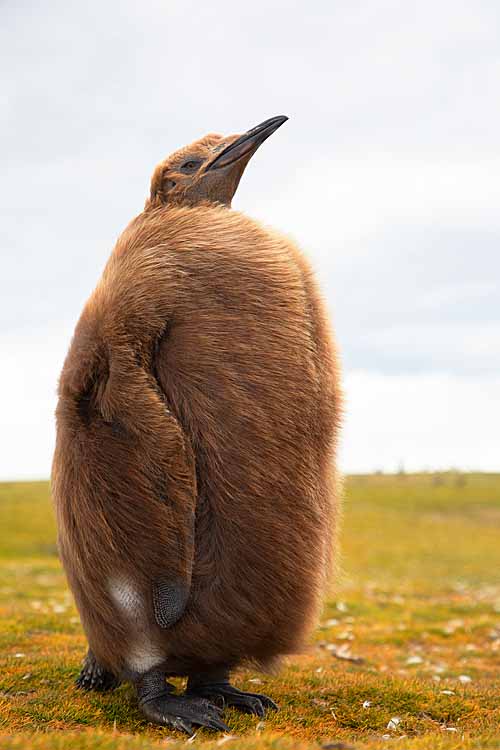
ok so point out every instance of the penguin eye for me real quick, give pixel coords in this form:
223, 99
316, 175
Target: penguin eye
190, 166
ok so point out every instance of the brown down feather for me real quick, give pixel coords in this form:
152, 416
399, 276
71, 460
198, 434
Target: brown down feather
199, 407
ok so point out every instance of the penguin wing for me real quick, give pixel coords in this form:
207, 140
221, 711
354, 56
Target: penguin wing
170, 595
169, 601
124, 482
178, 496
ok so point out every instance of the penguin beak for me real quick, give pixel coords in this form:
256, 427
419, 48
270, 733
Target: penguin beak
247, 144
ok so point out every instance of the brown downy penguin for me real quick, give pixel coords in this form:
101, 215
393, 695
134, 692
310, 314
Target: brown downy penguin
193, 474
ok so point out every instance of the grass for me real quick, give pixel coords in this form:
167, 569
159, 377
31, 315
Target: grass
415, 608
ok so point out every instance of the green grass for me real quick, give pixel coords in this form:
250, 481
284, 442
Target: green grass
417, 599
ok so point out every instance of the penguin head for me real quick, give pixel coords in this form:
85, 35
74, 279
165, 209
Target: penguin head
209, 170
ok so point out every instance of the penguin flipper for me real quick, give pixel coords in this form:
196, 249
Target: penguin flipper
169, 601
127, 536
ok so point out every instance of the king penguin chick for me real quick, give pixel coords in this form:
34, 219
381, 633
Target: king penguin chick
193, 475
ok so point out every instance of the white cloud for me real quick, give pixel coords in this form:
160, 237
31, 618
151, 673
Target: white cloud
387, 174
31, 364
357, 197
423, 422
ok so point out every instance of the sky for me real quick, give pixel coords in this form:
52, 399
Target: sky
387, 175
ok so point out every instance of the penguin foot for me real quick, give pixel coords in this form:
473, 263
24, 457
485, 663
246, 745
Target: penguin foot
224, 694
182, 712
95, 677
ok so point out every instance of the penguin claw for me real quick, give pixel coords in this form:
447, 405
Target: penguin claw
94, 677
227, 695
181, 725
268, 702
182, 712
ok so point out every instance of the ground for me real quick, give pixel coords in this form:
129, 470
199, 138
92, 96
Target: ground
407, 653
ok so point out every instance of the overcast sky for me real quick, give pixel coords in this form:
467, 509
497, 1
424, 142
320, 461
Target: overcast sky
387, 174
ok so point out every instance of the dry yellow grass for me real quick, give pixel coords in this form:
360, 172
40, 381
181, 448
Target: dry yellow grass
417, 606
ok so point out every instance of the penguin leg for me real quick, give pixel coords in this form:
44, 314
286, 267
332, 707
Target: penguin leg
160, 706
215, 687
94, 677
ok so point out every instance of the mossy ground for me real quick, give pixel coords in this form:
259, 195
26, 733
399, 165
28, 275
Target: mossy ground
416, 605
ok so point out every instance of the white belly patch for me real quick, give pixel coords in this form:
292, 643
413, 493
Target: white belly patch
127, 597
143, 654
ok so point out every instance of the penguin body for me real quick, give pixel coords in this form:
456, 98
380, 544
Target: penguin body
194, 476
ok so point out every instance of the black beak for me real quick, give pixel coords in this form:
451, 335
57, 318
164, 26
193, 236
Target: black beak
247, 144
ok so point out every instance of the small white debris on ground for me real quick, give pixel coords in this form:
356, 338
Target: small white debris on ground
452, 626
394, 722
227, 738
415, 659
440, 668
331, 622
346, 635
344, 652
